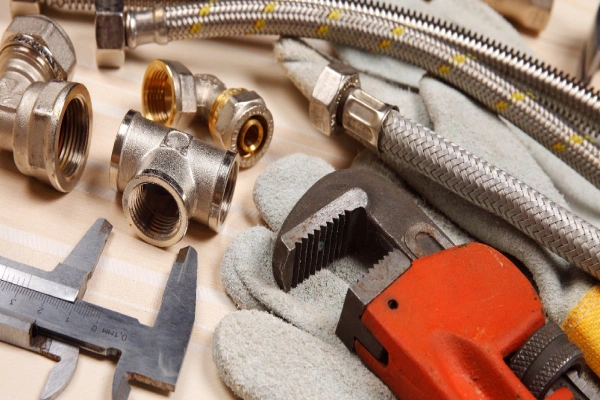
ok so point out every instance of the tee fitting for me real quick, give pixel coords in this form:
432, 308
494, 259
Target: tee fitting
168, 177
238, 119
44, 119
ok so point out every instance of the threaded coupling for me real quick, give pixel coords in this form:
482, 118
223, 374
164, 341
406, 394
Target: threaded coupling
168, 177
237, 119
44, 119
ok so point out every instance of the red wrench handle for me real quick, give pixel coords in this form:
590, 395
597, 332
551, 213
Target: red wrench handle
449, 322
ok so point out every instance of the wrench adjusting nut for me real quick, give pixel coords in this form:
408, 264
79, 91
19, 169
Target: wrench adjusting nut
45, 120
168, 177
238, 119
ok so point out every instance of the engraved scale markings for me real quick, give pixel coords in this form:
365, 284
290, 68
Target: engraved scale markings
36, 283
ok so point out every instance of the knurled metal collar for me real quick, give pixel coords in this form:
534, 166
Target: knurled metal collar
43, 51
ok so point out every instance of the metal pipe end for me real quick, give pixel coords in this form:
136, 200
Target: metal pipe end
240, 120
117, 151
155, 209
224, 189
52, 133
168, 94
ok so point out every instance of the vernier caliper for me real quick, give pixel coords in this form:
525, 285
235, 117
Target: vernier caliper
42, 311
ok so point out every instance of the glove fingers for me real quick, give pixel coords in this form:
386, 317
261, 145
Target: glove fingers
233, 284
280, 186
314, 306
261, 357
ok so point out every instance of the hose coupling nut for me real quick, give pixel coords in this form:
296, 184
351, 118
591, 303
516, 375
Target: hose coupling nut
45, 120
168, 177
328, 97
237, 119
109, 25
338, 105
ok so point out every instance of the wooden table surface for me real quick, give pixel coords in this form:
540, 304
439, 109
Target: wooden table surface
39, 227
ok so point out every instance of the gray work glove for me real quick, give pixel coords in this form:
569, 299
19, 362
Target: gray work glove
294, 354
259, 355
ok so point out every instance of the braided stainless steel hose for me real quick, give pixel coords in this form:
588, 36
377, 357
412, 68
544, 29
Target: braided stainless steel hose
321, 19
405, 143
339, 105
24, 7
577, 104
568, 97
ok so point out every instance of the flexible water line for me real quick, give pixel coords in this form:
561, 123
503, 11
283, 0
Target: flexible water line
561, 94
326, 20
403, 142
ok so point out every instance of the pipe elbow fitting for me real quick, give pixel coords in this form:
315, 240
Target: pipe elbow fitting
168, 177
238, 119
45, 119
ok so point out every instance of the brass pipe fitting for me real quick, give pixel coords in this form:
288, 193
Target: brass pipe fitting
44, 119
238, 119
168, 177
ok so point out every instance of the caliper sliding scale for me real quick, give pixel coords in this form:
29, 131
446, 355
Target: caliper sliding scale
42, 311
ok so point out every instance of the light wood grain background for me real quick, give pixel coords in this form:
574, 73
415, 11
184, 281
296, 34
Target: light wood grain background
39, 226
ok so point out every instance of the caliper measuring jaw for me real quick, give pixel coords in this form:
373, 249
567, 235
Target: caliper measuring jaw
43, 312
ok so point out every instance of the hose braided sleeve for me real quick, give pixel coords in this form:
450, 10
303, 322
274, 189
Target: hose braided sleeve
314, 19
559, 93
89, 6
406, 143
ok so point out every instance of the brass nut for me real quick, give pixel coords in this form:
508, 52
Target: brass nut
333, 83
169, 94
238, 119
241, 121
168, 177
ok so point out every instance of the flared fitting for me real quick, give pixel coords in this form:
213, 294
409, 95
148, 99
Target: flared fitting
44, 119
168, 177
238, 119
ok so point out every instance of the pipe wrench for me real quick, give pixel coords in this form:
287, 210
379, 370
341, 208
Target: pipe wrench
42, 311
431, 319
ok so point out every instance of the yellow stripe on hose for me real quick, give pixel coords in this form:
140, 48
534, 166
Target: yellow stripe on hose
582, 327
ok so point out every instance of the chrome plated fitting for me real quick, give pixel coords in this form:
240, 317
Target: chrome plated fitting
339, 105
168, 177
44, 119
110, 33
238, 119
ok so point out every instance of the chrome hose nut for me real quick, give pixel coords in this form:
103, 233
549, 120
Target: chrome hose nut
44, 119
109, 25
168, 177
333, 84
339, 105
238, 119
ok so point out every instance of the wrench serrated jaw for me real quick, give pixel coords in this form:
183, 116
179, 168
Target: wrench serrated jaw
351, 211
306, 250
317, 241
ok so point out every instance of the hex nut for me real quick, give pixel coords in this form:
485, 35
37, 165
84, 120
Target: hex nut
332, 85
241, 120
47, 34
169, 94
110, 33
